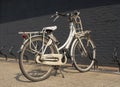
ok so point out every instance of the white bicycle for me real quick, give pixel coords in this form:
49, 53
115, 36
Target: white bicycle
40, 52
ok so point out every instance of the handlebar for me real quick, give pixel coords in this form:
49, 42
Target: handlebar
69, 15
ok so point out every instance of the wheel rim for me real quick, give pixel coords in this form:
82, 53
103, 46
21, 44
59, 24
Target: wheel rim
82, 61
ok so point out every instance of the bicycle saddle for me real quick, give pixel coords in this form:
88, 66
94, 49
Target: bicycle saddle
50, 28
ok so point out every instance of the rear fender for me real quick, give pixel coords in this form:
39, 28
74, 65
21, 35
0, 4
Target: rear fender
26, 40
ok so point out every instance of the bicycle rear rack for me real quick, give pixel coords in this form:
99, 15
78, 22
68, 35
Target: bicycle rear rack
26, 35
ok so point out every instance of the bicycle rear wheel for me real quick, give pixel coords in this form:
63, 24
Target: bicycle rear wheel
29, 67
81, 60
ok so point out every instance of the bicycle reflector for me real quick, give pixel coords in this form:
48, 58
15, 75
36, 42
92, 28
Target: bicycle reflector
24, 36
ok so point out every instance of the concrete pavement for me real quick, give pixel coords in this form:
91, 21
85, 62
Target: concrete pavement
10, 76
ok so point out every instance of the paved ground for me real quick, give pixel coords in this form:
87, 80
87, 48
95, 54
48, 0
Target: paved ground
10, 76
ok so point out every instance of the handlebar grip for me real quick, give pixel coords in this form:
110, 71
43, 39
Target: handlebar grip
69, 14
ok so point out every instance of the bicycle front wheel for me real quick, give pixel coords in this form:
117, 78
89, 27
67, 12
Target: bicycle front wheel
82, 60
30, 68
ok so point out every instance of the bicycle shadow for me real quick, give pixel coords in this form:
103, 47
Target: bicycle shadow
65, 69
69, 69
20, 77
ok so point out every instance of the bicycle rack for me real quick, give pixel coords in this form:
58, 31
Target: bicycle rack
95, 64
3, 54
115, 58
12, 53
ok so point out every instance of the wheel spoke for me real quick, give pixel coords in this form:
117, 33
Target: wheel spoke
30, 68
83, 61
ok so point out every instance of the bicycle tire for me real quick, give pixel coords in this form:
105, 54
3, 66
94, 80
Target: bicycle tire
34, 74
81, 61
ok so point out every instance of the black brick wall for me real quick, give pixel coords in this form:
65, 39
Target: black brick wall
105, 26
103, 21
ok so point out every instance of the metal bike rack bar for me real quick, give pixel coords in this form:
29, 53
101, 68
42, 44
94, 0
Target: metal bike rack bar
115, 58
105, 69
12, 53
2, 53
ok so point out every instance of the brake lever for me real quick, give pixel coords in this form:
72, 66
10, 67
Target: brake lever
56, 16
53, 16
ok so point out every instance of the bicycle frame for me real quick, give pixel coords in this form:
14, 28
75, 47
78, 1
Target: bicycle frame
67, 44
73, 35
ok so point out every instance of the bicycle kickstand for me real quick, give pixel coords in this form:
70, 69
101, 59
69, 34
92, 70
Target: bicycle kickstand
56, 68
